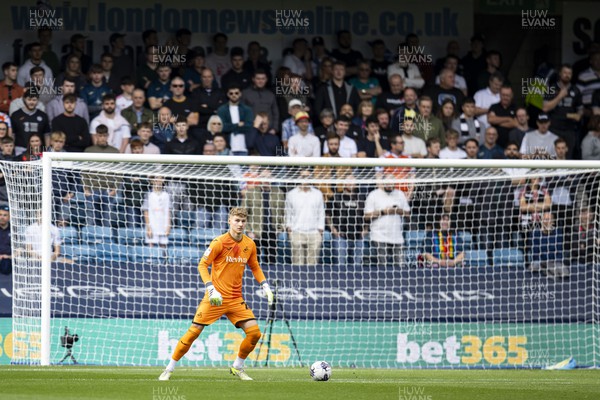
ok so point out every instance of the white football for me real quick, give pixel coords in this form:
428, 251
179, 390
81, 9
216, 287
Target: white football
320, 371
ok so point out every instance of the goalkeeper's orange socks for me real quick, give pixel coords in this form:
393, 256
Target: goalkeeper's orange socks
183, 346
248, 344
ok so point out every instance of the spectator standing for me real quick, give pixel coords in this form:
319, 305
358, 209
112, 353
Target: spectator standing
305, 221
5, 241
157, 214
385, 210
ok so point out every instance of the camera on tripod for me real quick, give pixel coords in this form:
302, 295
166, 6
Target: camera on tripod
67, 341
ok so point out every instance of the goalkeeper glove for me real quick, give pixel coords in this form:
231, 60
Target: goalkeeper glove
268, 293
214, 296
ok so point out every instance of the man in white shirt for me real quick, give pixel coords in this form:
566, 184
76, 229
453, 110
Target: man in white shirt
299, 61
348, 147
452, 151
304, 143
413, 146
484, 98
33, 240
119, 130
305, 221
539, 144
385, 209
35, 60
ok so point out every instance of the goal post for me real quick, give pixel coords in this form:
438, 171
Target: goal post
403, 263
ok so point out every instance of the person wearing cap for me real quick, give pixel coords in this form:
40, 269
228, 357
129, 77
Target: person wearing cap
122, 62
262, 99
29, 120
539, 144
299, 61
319, 53
304, 143
5, 241
77, 47
289, 127
473, 63
237, 74
237, 121
35, 60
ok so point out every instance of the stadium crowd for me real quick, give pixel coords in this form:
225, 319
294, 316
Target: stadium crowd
183, 99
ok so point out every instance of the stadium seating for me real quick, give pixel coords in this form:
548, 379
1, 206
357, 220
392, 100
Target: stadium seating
476, 258
508, 257
112, 252
202, 237
131, 236
179, 237
184, 255
68, 235
147, 254
96, 234
78, 252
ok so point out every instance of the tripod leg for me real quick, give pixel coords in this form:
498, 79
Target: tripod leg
287, 323
270, 335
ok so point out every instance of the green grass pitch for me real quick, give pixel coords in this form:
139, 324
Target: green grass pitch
84, 382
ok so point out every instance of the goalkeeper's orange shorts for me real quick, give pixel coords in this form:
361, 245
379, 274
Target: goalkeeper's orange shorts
236, 311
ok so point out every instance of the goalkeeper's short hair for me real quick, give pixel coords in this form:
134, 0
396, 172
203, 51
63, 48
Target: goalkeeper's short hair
238, 212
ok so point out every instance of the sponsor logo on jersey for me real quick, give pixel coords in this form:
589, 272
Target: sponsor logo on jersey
230, 259
207, 252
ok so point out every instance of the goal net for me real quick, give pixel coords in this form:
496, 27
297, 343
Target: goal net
375, 263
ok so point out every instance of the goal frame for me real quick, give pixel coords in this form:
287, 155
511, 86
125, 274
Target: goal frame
49, 157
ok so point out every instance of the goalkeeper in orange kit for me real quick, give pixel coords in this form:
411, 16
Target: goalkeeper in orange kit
228, 254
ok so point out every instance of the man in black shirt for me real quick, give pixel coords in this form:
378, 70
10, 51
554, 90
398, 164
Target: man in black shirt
237, 73
446, 90
74, 126
29, 120
180, 105
379, 64
392, 98
563, 104
344, 217
346, 54
5, 241
337, 92
502, 115
182, 143
207, 98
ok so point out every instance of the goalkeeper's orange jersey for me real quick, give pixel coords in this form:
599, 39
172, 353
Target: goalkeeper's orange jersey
229, 259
